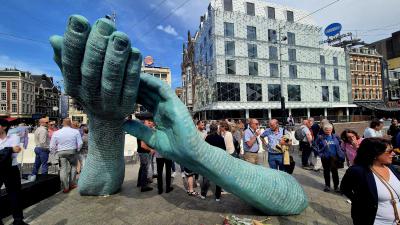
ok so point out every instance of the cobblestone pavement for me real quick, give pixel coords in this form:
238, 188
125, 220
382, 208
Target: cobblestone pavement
131, 206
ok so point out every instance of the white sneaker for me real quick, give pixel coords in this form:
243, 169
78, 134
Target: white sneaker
32, 178
217, 199
173, 175
202, 197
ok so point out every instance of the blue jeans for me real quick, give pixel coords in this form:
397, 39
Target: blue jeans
275, 161
41, 159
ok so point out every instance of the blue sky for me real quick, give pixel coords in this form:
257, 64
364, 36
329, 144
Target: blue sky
144, 22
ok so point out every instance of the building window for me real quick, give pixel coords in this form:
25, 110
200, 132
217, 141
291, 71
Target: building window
336, 94
335, 61
290, 16
3, 107
229, 48
274, 92
293, 71
4, 96
253, 68
272, 36
322, 59
271, 12
228, 5
336, 74
364, 94
14, 96
252, 50
294, 94
371, 93
292, 54
14, 108
229, 29
230, 67
254, 92
291, 38
250, 9
378, 96
228, 92
356, 94
14, 85
356, 80
273, 53
325, 93
23, 108
323, 74
251, 33
3, 85
273, 70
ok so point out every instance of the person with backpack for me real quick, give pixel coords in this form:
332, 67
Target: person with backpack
275, 138
332, 156
305, 137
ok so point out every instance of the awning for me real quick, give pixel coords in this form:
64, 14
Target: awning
381, 106
10, 119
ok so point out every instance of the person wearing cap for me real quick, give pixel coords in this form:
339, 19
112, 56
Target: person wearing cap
10, 174
42, 148
145, 154
67, 142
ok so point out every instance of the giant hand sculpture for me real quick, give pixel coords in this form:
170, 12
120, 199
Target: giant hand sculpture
102, 73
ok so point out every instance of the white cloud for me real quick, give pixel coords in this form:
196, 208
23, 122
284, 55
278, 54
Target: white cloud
168, 29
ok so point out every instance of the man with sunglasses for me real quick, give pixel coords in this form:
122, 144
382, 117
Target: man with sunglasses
42, 141
251, 143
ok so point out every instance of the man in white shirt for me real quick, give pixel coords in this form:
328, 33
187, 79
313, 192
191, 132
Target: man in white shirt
67, 142
374, 129
9, 174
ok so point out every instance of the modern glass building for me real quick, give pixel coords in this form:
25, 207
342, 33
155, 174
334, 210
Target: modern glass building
248, 53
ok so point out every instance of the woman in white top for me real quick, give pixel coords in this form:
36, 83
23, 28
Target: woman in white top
373, 185
9, 174
227, 135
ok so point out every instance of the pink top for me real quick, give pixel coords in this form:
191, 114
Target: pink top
350, 150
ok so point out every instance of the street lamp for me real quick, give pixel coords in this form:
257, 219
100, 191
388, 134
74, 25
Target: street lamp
280, 39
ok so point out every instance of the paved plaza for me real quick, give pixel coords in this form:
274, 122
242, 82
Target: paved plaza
131, 206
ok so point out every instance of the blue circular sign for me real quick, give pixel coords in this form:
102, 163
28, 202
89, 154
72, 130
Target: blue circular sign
333, 29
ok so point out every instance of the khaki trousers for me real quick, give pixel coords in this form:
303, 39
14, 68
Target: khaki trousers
251, 157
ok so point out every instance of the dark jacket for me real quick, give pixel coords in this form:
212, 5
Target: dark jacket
323, 150
216, 140
358, 184
5, 158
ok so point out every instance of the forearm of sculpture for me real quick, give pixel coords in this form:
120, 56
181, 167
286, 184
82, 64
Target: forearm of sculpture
104, 169
271, 191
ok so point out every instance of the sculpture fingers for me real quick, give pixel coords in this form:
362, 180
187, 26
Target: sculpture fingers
56, 42
93, 60
117, 54
72, 53
132, 79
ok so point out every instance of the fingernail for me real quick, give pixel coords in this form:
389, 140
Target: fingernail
120, 44
76, 24
104, 28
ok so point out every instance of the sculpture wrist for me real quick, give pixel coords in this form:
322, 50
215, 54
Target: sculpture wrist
104, 170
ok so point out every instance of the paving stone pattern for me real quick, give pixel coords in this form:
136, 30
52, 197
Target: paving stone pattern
131, 206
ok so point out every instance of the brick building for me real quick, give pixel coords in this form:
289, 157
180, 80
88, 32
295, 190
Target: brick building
47, 97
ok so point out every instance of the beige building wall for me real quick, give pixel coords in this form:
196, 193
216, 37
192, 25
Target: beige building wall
162, 73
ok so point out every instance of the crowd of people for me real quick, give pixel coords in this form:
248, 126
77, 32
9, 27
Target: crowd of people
371, 183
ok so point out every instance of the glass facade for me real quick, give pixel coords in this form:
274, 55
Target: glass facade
294, 93
228, 91
274, 92
254, 92
325, 93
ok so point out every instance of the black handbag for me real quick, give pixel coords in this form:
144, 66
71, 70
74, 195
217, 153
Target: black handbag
290, 168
